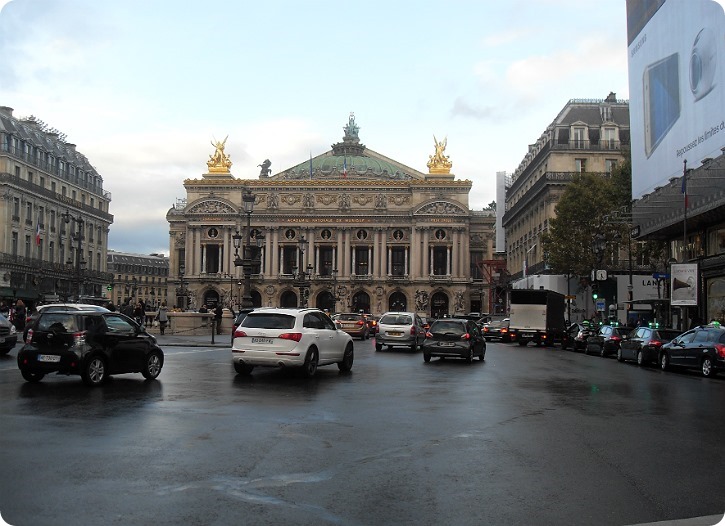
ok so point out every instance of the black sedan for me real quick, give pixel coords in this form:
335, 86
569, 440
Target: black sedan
701, 348
497, 330
454, 338
93, 345
606, 341
644, 344
577, 335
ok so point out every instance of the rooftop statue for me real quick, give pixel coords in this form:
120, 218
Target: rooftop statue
219, 161
352, 129
266, 170
438, 162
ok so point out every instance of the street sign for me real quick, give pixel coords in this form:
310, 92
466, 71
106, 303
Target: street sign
601, 304
601, 275
658, 275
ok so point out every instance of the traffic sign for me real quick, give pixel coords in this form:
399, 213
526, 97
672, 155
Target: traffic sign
601, 304
658, 275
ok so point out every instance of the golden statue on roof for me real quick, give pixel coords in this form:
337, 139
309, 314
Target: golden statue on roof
439, 162
219, 161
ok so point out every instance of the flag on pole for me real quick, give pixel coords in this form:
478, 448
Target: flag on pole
344, 168
684, 184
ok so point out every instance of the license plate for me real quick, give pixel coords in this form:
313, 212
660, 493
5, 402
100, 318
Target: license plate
447, 344
53, 358
395, 333
268, 341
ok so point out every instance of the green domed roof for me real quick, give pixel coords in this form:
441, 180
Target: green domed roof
350, 155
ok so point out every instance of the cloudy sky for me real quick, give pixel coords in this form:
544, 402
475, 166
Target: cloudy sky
142, 87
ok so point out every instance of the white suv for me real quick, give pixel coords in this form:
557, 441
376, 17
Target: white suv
305, 338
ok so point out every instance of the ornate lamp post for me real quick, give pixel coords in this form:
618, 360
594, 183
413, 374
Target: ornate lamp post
181, 292
246, 263
77, 237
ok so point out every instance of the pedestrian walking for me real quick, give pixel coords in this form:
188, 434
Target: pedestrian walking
218, 313
19, 317
163, 317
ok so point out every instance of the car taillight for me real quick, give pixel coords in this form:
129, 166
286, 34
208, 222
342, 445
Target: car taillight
720, 348
655, 343
412, 330
239, 333
466, 337
486, 329
29, 336
504, 329
360, 322
615, 338
79, 338
295, 336
428, 335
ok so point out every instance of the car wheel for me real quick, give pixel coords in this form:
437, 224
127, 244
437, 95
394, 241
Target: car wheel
346, 364
664, 361
94, 371
640, 358
619, 355
707, 369
483, 354
154, 362
469, 357
426, 357
32, 377
378, 346
243, 368
310, 367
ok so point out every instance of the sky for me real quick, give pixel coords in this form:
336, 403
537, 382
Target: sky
142, 87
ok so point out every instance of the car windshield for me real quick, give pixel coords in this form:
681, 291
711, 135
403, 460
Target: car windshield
59, 322
396, 319
447, 327
268, 321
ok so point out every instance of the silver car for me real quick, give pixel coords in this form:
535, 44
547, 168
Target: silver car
400, 329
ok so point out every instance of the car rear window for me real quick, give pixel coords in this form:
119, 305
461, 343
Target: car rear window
447, 327
396, 319
268, 321
667, 336
349, 317
57, 321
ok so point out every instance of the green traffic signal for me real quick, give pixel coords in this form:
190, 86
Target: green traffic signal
595, 295
109, 288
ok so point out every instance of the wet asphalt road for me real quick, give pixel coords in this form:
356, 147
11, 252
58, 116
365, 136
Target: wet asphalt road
530, 436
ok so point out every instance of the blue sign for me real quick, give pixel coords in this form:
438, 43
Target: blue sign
657, 275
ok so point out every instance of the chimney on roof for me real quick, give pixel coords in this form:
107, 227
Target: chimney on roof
71, 146
612, 97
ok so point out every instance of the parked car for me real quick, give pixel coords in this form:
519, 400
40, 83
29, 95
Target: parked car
59, 307
8, 335
239, 318
644, 344
577, 335
354, 324
454, 338
400, 329
701, 348
606, 341
497, 330
303, 338
91, 344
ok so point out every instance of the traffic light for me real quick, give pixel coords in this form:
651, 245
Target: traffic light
109, 288
595, 290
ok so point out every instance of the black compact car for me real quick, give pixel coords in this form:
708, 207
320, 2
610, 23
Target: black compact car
606, 341
644, 344
497, 330
239, 319
91, 344
454, 338
701, 348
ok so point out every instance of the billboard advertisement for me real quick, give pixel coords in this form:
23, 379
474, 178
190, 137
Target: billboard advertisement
683, 284
676, 59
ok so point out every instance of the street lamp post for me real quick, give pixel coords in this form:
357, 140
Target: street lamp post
246, 263
181, 291
77, 237
301, 274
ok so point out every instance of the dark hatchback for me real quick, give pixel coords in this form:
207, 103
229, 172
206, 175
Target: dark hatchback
497, 330
577, 335
454, 338
93, 345
644, 344
606, 341
701, 348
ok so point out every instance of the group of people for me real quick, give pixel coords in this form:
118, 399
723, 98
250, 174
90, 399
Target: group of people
138, 313
218, 314
16, 314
